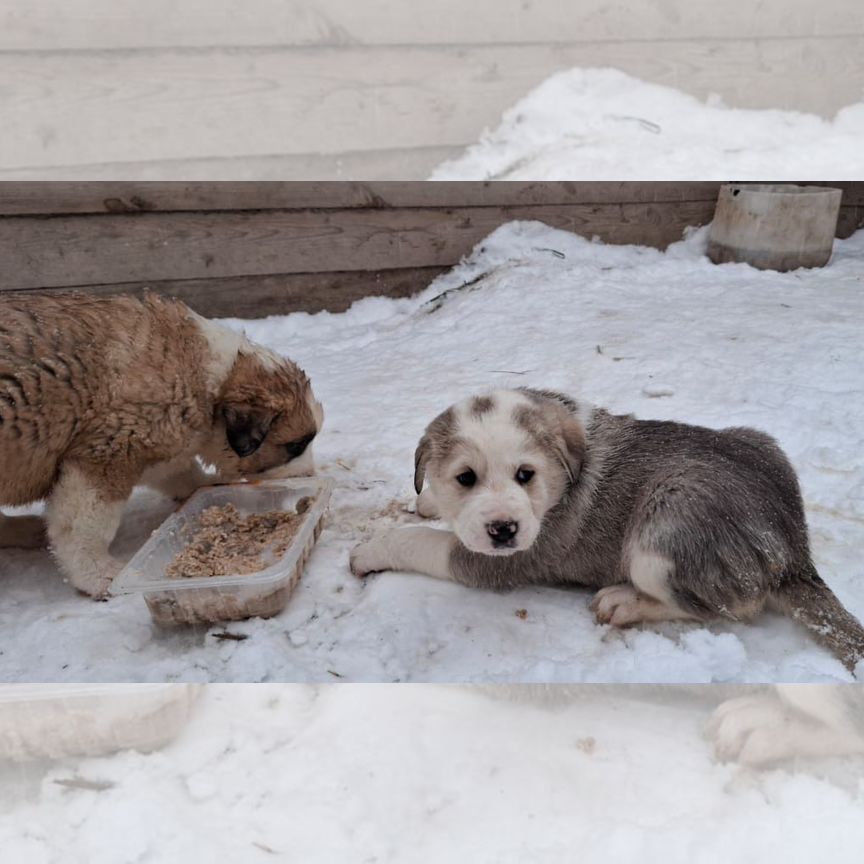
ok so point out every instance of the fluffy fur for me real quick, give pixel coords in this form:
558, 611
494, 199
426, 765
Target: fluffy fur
667, 521
100, 394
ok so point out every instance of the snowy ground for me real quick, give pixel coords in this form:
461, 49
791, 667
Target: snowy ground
633, 329
416, 774
601, 124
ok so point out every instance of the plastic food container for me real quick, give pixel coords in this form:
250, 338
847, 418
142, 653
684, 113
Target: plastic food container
774, 226
40, 721
210, 599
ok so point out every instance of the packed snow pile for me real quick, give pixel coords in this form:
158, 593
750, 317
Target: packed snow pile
601, 124
658, 334
426, 774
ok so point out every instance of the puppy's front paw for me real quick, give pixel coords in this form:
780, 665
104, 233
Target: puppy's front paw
752, 730
96, 580
618, 605
371, 556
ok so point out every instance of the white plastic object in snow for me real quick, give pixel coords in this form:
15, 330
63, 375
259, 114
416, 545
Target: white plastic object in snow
774, 226
209, 599
53, 721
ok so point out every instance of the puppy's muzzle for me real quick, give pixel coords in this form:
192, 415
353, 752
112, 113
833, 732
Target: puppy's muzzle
502, 533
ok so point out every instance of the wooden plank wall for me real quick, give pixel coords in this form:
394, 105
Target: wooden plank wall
329, 89
254, 249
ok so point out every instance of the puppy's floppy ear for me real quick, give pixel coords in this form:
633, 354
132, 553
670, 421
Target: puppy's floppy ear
421, 458
245, 427
438, 435
570, 442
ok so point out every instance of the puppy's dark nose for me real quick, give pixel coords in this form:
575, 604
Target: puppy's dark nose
502, 532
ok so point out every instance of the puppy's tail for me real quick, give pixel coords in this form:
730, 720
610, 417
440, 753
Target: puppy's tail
806, 598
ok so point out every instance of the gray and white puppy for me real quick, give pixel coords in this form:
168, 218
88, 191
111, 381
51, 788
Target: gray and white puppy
668, 521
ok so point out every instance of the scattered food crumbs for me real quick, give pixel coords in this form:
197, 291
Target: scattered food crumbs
587, 745
394, 509
522, 613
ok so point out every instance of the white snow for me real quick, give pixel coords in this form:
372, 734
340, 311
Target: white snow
428, 774
601, 124
663, 335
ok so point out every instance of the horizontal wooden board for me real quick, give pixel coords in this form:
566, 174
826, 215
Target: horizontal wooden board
279, 294
98, 197
76, 24
86, 250
66, 110
133, 197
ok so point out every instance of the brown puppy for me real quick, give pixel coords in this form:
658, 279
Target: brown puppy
98, 395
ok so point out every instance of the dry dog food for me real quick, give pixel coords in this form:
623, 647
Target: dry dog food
228, 543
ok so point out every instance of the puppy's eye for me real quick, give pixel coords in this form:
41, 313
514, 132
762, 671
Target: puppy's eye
466, 478
524, 475
298, 448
